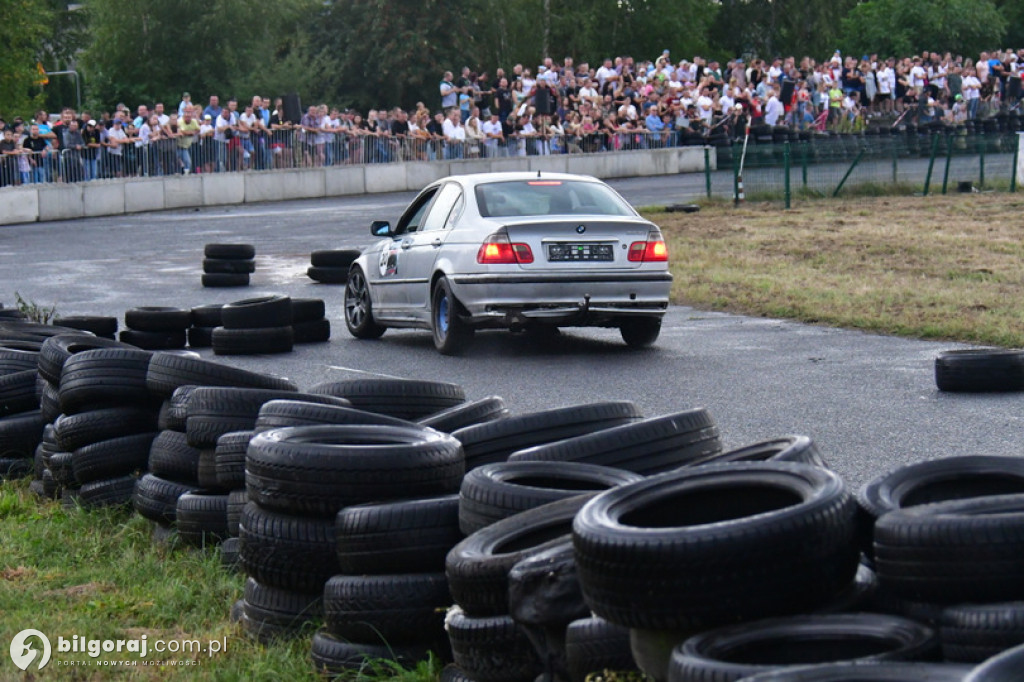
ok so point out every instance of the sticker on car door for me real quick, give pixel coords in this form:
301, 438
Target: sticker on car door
388, 264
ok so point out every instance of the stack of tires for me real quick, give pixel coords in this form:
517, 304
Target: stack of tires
228, 265
156, 327
205, 318
184, 486
946, 538
255, 326
330, 266
309, 321
107, 425
21, 421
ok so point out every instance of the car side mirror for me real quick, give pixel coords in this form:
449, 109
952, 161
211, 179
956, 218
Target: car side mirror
380, 228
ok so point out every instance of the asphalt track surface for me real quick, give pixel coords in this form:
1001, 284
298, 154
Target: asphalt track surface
869, 401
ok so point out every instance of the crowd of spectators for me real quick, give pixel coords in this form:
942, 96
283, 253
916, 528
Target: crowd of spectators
560, 108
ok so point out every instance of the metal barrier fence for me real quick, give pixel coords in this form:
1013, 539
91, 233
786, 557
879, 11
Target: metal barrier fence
281, 149
924, 163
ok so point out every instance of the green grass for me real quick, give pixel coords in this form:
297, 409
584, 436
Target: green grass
101, 575
942, 267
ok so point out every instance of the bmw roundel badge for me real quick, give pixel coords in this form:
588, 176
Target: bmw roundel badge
580, 229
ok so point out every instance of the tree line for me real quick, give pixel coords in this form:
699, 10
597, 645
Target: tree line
381, 53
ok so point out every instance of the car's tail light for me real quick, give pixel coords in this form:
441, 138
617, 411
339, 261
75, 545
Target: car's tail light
651, 251
498, 249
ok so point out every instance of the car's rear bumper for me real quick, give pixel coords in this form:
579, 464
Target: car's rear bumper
583, 300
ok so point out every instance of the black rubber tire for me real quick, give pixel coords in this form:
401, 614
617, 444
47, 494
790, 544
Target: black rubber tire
291, 552
1005, 667
859, 595
284, 608
954, 552
207, 315
16, 467
939, 480
453, 673
156, 498
112, 458
104, 377
867, 671
207, 471
56, 350
974, 371
60, 468
645, 447
308, 310
171, 457
359, 307
972, 633
200, 337
737, 651
256, 313
49, 402
450, 332
230, 561
18, 392
154, 340
317, 331
336, 657
175, 416
100, 325
110, 492
411, 536
496, 491
157, 319
405, 608
467, 414
317, 470
494, 441
237, 500
327, 275
783, 449
279, 413
723, 542
640, 332
229, 251
168, 372
401, 398
20, 434
202, 518
491, 648
50, 488
593, 645
85, 428
333, 258
224, 280
263, 340
213, 411
230, 459
18, 361
229, 265
478, 566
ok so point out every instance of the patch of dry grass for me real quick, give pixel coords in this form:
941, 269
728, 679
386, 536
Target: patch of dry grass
933, 267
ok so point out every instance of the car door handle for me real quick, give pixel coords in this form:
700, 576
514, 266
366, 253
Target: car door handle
407, 244
436, 242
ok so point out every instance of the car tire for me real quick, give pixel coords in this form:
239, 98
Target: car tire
100, 325
316, 331
451, 334
723, 542
496, 491
403, 608
230, 251
255, 341
861, 671
156, 498
18, 392
491, 648
56, 351
974, 371
285, 608
335, 657
112, 458
171, 457
328, 275
104, 377
359, 307
963, 551
1005, 667
166, 373
466, 414
286, 551
399, 398
202, 518
640, 332
229, 459
593, 645
333, 258
411, 536
784, 449
257, 313
276, 414
972, 633
85, 428
737, 651
157, 319
21, 433
229, 265
225, 279
109, 492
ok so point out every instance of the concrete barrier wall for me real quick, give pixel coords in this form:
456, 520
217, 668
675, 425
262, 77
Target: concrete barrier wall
34, 203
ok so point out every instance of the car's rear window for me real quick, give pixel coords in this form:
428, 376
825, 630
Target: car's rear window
548, 197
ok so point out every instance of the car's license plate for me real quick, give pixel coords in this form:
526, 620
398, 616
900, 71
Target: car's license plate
574, 252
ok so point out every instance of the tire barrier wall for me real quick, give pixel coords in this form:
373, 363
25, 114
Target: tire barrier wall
41, 203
